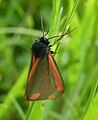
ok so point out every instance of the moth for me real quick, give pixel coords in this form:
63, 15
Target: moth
44, 79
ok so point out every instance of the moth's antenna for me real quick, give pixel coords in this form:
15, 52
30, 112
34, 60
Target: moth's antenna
42, 24
60, 36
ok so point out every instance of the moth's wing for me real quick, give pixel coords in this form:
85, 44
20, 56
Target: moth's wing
32, 68
55, 78
44, 80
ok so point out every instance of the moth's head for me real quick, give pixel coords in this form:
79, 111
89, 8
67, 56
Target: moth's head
44, 41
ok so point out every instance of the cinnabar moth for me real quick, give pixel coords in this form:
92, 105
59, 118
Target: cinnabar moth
44, 79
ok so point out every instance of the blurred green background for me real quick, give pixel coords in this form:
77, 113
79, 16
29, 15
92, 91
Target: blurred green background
77, 57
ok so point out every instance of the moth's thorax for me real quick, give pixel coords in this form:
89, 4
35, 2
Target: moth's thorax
39, 49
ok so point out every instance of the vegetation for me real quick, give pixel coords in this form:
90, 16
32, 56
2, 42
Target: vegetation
77, 57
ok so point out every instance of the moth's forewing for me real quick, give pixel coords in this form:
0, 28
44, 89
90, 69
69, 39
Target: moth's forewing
42, 82
56, 79
31, 64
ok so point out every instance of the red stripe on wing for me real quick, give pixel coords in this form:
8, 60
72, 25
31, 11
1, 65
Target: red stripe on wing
55, 72
33, 68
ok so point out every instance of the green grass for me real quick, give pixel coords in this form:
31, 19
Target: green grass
77, 59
